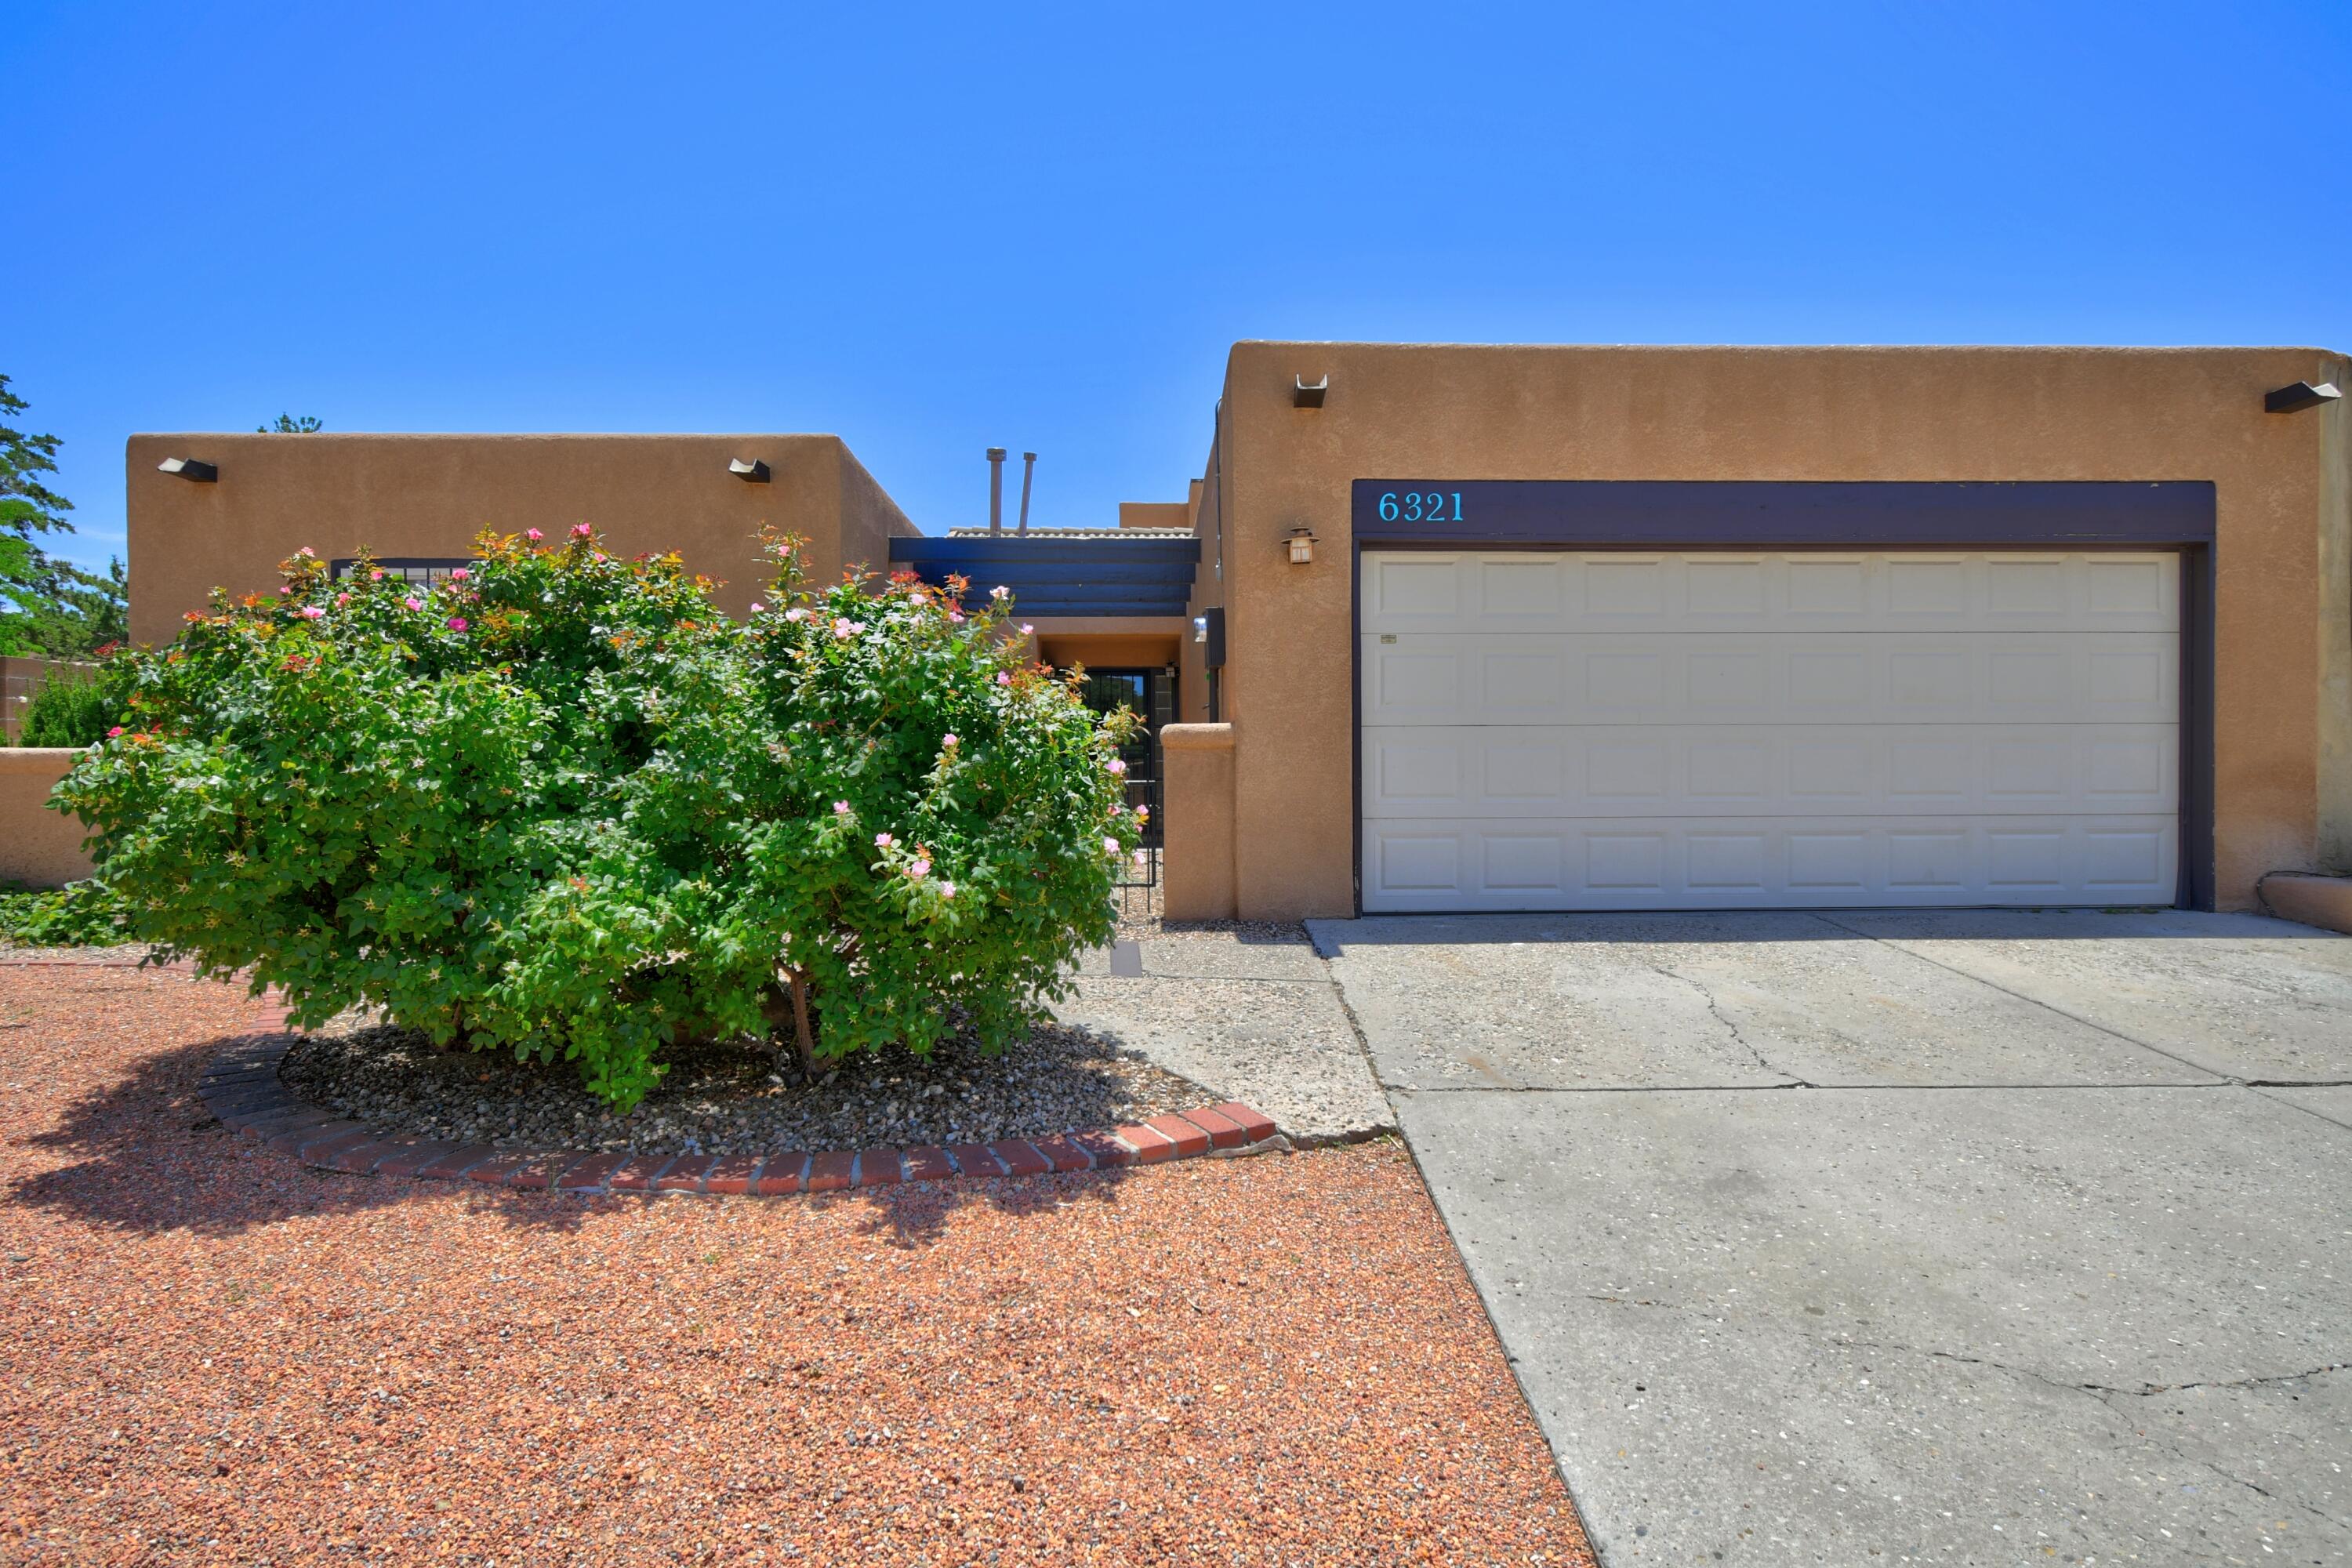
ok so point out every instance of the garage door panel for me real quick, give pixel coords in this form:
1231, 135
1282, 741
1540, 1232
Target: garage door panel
1493, 679
1793, 770
1632, 862
1617, 591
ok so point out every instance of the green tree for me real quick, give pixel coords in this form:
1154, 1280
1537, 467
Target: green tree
51, 606
289, 425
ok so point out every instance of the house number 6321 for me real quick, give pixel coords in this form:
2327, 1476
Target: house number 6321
1422, 506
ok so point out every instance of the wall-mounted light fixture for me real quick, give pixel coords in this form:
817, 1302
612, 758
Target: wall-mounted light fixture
1302, 396
190, 468
1200, 628
1302, 547
754, 472
2298, 397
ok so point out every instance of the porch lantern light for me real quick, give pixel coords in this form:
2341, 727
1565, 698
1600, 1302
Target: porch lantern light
1201, 628
754, 472
191, 469
1302, 547
2295, 399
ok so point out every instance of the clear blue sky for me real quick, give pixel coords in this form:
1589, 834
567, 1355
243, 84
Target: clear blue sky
935, 230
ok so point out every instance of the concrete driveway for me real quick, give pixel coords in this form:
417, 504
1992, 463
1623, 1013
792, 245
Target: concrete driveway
1946, 1237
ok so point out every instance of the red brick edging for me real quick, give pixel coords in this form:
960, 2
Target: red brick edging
243, 1089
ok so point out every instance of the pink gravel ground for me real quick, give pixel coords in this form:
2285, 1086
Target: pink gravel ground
214, 1356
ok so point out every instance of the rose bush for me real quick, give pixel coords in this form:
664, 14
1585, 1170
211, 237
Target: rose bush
563, 805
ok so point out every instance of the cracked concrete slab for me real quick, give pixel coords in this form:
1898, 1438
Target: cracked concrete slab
1955, 1236
1696, 1001
2243, 996
2333, 1102
1948, 1325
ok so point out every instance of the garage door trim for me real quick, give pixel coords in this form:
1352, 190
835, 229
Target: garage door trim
1797, 516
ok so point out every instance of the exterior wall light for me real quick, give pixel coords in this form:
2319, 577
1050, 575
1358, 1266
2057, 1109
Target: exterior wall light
1305, 396
1200, 628
754, 472
190, 468
1302, 547
2301, 396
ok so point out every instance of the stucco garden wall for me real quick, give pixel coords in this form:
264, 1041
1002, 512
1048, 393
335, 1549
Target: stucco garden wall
38, 848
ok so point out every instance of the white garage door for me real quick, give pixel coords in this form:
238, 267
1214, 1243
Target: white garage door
1718, 731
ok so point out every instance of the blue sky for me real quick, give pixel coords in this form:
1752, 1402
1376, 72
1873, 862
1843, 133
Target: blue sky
936, 230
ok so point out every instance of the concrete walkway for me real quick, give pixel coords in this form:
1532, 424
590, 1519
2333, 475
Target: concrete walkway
1945, 1238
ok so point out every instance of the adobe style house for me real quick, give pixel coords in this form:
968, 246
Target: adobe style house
1447, 628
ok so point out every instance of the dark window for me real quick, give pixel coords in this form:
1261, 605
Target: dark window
425, 571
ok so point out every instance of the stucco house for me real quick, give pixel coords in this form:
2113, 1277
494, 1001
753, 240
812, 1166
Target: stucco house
1455, 629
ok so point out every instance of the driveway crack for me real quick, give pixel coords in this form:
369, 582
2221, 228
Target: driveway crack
1715, 1010
2105, 1394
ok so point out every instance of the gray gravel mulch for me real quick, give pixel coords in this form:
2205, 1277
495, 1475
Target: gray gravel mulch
728, 1099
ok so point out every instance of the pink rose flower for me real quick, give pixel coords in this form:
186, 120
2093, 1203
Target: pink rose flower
311, 612
758, 608
376, 575
1116, 766
413, 603
460, 574
1003, 678
533, 535
796, 614
1110, 845
1142, 812
947, 889
285, 587
883, 841
955, 617
1027, 628
307, 553
921, 868
581, 531
841, 808
456, 623
114, 732
342, 598
948, 739
842, 626
999, 592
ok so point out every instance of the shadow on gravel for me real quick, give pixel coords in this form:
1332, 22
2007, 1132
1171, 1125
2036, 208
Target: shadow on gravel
915, 1214
147, 1156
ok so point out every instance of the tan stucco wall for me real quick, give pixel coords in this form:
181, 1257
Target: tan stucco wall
1197, 869
2336, 629
430, 495
1550, 412
1155, 514
38, 848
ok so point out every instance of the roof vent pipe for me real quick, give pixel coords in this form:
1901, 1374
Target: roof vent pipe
1028, 467
997, 489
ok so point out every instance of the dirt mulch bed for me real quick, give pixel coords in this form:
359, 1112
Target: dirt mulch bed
217, 1355
728, 1099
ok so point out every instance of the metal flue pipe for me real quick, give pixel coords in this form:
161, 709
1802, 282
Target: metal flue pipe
1028, 467
997, 489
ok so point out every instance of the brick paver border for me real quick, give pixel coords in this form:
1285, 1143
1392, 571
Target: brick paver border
241, 1087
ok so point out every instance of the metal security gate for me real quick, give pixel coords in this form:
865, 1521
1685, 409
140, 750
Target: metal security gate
1151, 693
